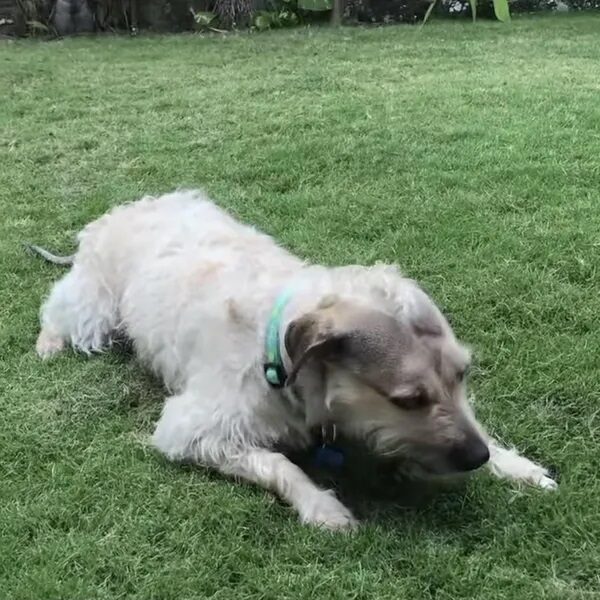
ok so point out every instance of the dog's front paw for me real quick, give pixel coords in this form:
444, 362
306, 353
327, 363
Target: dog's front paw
537, 476
48, 344
509, 464
326, 511
544, 481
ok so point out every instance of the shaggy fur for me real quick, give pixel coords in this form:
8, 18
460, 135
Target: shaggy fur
366, 349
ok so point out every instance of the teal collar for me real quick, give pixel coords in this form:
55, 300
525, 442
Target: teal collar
274, 371
326, 455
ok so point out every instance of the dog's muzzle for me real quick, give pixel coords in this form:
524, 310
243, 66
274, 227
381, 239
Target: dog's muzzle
470, 455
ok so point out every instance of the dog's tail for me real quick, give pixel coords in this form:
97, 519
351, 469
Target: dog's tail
53, 258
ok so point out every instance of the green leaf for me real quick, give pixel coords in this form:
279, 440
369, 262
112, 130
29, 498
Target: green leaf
287, 17
473, 4
204, 18
501, 10
316, 5
37, 26
262, 22
428, 13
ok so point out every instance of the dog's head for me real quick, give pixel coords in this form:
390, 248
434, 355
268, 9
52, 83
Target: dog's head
394, 380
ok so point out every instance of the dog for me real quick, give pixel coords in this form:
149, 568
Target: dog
259, 350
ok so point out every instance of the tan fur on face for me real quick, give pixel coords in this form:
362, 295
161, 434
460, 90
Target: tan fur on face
398, 384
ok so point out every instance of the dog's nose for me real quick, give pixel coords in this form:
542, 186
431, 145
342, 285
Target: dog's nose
470, 455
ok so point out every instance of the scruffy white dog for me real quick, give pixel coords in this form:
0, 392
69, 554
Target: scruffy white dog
260, 350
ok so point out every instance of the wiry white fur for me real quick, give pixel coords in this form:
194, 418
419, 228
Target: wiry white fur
193, 289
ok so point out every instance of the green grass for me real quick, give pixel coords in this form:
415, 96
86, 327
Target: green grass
467, 154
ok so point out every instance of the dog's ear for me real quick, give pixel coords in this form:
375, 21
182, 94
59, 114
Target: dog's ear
425, 317
359, 338
312, 336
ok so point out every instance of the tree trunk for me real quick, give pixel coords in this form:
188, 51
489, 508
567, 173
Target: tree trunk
337, 10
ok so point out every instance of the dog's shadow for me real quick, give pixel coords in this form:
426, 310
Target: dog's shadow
370, 487
376, 493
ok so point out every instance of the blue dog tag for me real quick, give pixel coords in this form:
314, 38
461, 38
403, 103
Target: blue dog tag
328, 457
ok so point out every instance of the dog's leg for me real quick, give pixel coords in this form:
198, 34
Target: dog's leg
184, 433
275, 472
79, 310
509, 464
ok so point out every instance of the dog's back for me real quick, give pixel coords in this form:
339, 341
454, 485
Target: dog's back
164, 271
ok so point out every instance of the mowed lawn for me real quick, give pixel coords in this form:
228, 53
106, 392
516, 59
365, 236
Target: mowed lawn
468, 154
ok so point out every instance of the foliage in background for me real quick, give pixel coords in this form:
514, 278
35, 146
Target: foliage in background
500, 7
278, 13
34, 17
385, 11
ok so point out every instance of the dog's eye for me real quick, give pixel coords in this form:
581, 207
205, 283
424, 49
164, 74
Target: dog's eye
413, 402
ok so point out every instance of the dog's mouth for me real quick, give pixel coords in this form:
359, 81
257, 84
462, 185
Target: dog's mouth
421, 471
430, 461
427, 465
